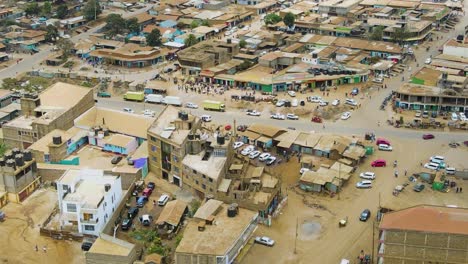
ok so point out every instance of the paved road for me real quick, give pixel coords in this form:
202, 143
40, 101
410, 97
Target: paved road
302, 124
31, 62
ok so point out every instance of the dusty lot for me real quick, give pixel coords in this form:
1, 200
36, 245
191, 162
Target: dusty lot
319, 238
20, 233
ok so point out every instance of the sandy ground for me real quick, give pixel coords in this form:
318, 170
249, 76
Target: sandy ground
319, 239
20, 233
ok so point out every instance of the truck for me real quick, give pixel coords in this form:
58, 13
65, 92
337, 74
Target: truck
172, 100
213, 105
154, 98
134, 96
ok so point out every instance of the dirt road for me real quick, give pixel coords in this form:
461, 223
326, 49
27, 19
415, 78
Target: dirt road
20, 234
319, 239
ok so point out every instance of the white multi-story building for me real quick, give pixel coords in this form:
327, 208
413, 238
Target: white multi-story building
87, 199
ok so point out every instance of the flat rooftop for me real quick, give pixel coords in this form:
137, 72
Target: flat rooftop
211, 167
164, 125
423, 90
215, 239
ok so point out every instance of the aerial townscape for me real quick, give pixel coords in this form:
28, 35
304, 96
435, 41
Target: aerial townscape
233, 131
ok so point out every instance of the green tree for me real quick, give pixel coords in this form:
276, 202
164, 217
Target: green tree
205, 23
9, 83
194, 24
244, 66
272, 19
62, 11
242, 43
399, 35
32, 9
289, 20
132, 25
377, 33
92, 10
194, 205
190, 40
46, 9
66, 46
154, 38
115, 24
52, 33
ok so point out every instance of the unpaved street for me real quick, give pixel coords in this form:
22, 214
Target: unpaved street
320, 240
20, 234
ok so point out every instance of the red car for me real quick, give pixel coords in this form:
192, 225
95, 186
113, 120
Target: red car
379, 163
427, 136
316, 119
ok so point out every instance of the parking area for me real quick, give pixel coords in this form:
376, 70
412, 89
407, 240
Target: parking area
20, 233
315, 217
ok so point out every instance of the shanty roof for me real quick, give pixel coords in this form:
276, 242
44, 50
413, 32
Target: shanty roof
266, 130
172, 213
211, 207
428, 218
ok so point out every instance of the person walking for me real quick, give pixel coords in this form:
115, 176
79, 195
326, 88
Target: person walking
44, 248
36, 248
406, 172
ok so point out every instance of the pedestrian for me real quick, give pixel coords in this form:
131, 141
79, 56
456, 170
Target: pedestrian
461, 189
36, 248
406, 172
456, 190
154, 202
44, 248
323, 126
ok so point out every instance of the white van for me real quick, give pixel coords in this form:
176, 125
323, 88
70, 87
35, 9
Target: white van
172, 100
154, 98
163, 200
454, 116
437, 159
350, 101
431, 166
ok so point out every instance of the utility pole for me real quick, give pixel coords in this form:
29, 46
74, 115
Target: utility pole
339, 180
373, 241
295, 240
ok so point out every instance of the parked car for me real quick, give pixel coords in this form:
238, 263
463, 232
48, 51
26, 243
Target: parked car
191, 105
365, 215
379, 163
151, 185
163, 199
427, 136
454, 116
367, 175
418, 187
277, 116
148, 113
280, 103
126, 223
345, 115
431, 166
292, 93
86, 245
378, 80
270, 160
418, 113
428, 61
128, 110
350, 101
206, 118
265, 241
132, 212
314, 99
462, 116
237, 144
437, 159
116, 159
292, 117
264, 156
247, 150
425, 114
253, 113
302, 170
254, 154
146, 219
355, 91
141, 200
294, 103
385, 147
336, 102
323, 103
364, 184
241, 128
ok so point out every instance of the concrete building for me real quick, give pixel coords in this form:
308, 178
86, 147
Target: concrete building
167, 138
55, 108
337, 7
107, 249
424, 234
18, 176
454, 48
216, 234
87, 199
5, 98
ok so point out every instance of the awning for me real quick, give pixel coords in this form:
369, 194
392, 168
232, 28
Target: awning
264, 139
284, 144
251, 135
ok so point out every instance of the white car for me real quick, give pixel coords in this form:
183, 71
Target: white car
237, 144
292, 117
265, 241
364, 184
264, 156
294, 103
302, 170
253, 113
128, 110
292, 93
247, 150
428, 61
336, 102
323, 103
462, 117
270, 160
206, 118
350, 101
367, 175
280, 103
345, 115
378, 80
431, 166
148, 113
277, 116
418, 113
254, 154
315, 99
385, 147
191, 105
437, 159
